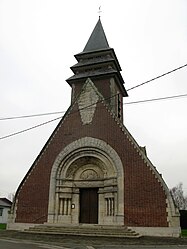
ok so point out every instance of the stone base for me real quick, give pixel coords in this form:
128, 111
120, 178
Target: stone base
19, 226
142, 231
158, 231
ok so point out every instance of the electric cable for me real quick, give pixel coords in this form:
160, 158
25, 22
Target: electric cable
32, 115
135, 102
30, 128
156, 77
60, 112
127, 103
50, 121
41, 124
156, 99
52, 113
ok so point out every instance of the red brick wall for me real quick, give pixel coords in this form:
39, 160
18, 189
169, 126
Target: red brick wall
103, 87
145, 200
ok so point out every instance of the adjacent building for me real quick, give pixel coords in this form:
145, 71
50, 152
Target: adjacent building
5, 206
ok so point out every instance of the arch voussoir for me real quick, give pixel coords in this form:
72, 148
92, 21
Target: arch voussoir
87, 163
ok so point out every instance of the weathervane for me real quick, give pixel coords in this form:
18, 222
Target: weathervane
99, 11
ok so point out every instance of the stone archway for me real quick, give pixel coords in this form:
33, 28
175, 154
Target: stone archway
83, 164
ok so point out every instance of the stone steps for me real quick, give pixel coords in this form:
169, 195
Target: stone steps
85, 230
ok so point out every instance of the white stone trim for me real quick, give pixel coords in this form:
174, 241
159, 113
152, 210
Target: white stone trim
112, 168
87, 101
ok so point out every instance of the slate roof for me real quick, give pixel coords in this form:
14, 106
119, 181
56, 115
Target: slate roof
97, 60
4, 202
97, 39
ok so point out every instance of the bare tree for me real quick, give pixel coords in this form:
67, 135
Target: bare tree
178, 196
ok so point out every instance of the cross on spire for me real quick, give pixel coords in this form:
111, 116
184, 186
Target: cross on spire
99, 12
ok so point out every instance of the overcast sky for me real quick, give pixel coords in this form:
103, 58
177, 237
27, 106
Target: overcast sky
38, 40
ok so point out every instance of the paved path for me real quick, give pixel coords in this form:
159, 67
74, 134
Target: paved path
18, 240
23, 244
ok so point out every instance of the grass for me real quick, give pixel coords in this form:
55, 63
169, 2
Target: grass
2, 226
184, 232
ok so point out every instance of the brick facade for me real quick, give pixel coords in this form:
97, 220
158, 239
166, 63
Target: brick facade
145, 199
94, 114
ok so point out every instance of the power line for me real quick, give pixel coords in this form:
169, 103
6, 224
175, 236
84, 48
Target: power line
28, 129
52, 113
32, 115
60, 112
156, 99
50, 121
36, 126
157, 77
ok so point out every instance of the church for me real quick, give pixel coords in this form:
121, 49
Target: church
91, 171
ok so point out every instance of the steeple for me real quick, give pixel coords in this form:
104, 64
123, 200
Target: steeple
99, 63
97, 39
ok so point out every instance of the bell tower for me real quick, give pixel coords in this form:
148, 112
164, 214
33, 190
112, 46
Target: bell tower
99, 63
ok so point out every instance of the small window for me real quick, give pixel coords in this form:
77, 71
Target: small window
1, 211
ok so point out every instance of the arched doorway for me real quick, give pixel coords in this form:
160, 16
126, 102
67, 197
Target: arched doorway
87, 185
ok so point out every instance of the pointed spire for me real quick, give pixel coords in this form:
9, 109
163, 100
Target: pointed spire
97, 39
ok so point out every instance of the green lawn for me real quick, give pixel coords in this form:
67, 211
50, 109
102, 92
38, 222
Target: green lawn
2, 226
184, 232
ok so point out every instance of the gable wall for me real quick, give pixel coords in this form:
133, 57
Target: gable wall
145, 200
145, 203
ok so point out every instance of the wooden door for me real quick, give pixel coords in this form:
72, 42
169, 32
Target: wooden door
89, 205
